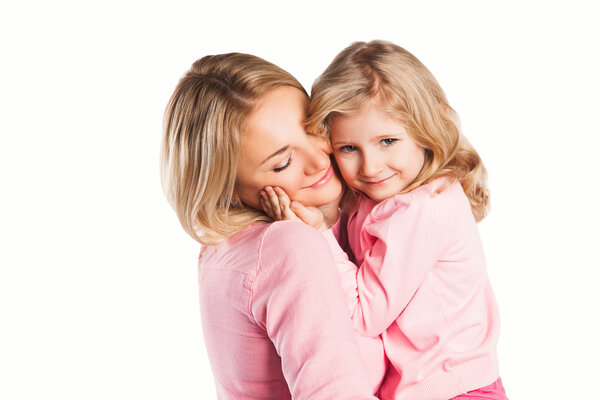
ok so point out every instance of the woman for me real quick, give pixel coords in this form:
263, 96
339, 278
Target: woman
273, 315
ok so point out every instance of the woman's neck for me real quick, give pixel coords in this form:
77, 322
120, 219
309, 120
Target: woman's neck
331, 212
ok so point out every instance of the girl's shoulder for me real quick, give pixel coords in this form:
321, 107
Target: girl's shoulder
439, 198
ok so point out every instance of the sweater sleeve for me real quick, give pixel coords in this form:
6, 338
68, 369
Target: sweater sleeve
346, 269
398, 253
297, 298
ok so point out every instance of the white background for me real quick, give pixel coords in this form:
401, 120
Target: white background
98, 291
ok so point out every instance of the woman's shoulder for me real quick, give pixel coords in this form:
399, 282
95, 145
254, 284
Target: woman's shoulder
283, 235
238, 252
290, 250
277, 239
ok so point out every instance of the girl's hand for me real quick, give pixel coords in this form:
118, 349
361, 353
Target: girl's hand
276, 203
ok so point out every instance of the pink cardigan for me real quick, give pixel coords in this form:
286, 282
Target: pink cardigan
422, 285
274, 319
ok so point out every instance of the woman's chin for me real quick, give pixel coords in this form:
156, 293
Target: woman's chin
325, 196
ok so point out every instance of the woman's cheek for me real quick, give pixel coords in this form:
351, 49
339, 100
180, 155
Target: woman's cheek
292, 184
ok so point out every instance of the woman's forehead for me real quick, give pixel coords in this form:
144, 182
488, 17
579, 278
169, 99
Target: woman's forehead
277, 122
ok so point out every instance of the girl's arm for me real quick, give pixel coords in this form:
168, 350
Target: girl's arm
399, 251
297, 298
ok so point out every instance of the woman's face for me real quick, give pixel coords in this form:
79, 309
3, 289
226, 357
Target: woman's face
277, 151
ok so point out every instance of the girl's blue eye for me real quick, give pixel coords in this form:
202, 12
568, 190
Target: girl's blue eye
388, 141
287, 164
348, 149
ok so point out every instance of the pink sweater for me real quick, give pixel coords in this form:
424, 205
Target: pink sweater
422, 285
274, 319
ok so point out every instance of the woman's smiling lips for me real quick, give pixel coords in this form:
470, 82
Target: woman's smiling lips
324, 179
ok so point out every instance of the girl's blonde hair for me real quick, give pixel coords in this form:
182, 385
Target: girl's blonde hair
203, 123
404, 88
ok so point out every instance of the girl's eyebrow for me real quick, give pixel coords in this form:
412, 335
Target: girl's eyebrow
387, 135
336, 142
281, 150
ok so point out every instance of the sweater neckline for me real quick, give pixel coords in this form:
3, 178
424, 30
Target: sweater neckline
429, 189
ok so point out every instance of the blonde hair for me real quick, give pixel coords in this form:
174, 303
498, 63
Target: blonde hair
202, 130
403, 87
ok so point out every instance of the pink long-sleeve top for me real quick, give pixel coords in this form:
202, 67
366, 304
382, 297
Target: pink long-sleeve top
422, 285
274, 319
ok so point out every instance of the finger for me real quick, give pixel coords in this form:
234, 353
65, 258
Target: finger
274, 201
306, 215
266, 207
264, 200
282, 195
284, 203
263, 197
290, 215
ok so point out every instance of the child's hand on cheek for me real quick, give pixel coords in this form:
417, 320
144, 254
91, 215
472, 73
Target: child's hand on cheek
277, 205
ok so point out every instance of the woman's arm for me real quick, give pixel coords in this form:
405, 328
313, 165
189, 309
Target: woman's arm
297, 298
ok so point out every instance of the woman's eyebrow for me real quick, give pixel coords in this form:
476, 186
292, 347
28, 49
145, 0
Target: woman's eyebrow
281, 150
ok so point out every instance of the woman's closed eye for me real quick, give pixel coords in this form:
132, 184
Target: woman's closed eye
284, 165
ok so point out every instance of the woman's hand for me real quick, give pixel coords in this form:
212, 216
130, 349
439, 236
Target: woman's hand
276, 203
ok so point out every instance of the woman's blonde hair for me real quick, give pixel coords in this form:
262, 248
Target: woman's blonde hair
203, 123
404, 88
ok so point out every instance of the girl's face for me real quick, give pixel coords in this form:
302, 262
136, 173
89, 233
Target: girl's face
374, 152
277, 151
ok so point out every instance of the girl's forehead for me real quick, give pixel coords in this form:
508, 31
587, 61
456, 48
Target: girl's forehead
369, 122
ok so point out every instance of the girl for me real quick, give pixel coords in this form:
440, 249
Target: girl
273, 316
417, 190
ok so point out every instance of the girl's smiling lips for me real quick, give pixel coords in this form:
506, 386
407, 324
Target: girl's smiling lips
379, 182
324, 179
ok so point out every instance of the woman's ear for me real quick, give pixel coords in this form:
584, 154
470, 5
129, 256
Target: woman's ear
236, 202
328, 148
322, 142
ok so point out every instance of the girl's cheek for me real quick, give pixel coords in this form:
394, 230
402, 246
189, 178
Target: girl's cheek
344, 166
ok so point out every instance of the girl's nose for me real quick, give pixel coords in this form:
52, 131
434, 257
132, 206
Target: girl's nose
370, 165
